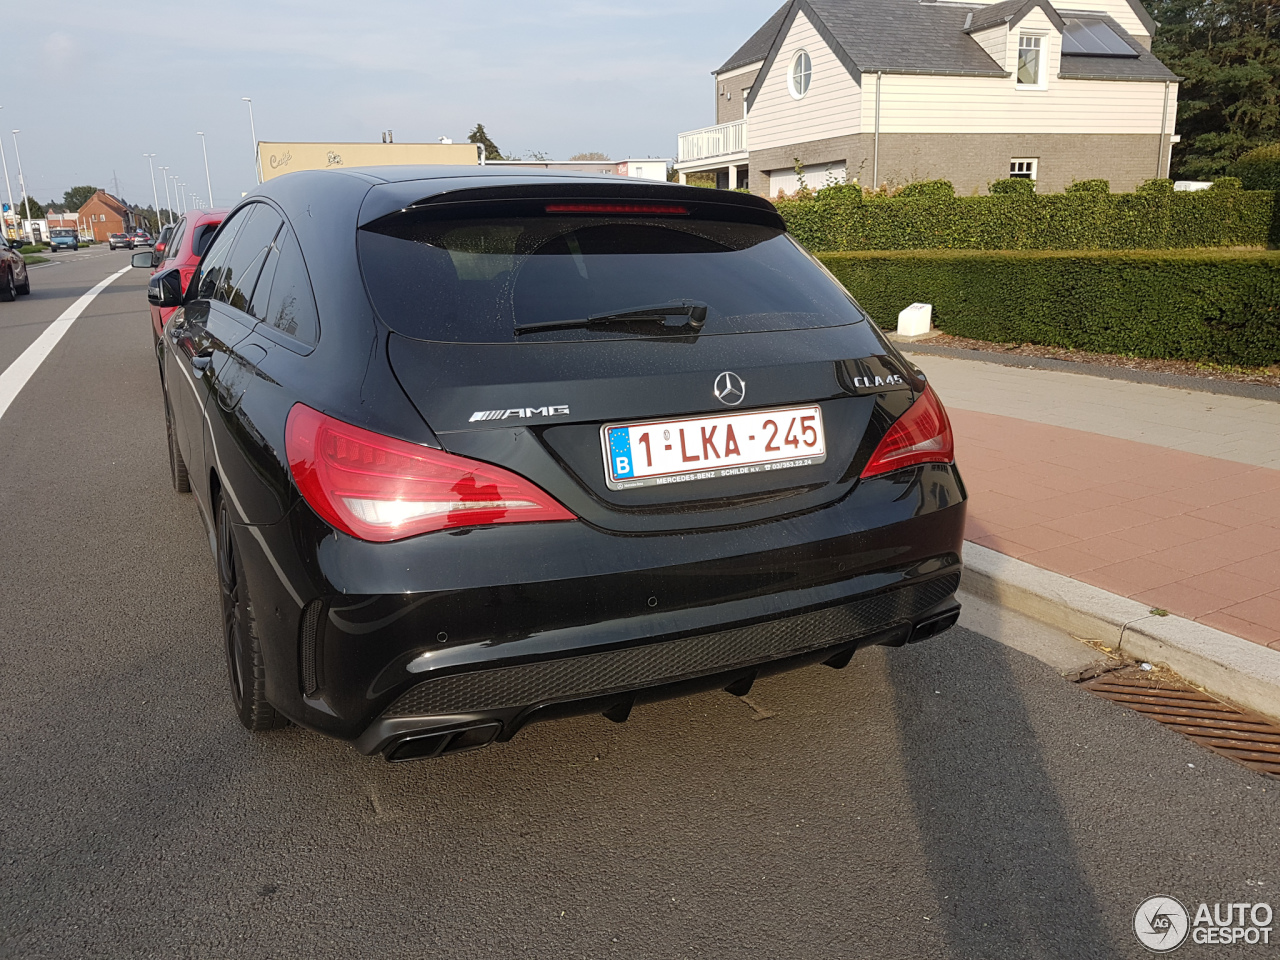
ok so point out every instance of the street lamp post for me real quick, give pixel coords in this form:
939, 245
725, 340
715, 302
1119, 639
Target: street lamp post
154, 195
22, 181
207, 182
164, 175
182, 205
257, 162
7, 185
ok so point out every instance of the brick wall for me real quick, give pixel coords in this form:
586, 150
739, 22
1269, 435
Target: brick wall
971, 161
102, 217
730, 109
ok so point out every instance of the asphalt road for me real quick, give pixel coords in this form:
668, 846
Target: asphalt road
956, 799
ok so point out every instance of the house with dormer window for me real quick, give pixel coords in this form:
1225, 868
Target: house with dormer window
897, 91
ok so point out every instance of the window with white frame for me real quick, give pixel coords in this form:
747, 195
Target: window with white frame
800, 75
1030, 61
1022, 169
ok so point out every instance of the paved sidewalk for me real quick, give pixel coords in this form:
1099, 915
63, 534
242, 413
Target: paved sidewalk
1164, 496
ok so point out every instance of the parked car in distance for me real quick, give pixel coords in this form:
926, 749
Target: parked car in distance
120, 240
14, 281
475, 448
64, 238
181, 249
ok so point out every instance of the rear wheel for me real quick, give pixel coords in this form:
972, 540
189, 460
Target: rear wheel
245, 667
8, 290
177, 467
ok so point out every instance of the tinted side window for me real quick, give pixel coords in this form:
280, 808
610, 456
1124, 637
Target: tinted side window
260, 302
175, 243
209, 278
291, 306
243, 265
201, 237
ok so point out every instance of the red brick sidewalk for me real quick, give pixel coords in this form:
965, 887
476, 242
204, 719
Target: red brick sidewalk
1194, 535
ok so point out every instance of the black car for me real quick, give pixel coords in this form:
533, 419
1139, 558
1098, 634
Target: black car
14, 279
117, 240
476, 448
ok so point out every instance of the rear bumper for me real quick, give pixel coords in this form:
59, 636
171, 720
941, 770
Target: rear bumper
470, 709
523, 621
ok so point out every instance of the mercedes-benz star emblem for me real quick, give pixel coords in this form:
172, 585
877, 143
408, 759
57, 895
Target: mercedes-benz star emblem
730, 388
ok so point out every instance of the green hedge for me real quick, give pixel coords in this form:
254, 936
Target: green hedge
842, 218
1216, 306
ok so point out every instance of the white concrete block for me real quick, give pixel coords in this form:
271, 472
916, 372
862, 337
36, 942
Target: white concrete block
915, 320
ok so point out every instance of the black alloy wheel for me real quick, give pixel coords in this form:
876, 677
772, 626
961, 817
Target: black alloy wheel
245, 667
177, 466
9, 291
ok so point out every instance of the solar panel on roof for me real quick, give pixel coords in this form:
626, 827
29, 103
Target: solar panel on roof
1093, 38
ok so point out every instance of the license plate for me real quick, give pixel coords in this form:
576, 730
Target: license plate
704, 448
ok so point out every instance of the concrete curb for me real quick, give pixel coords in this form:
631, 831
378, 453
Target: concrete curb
1245, 673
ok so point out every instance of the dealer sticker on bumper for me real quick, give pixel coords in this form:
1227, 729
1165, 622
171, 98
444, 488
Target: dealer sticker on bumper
704, 448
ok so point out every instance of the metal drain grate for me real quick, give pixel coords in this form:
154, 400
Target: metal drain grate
1246, 738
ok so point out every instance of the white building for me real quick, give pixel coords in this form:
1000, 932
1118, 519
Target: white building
647, 168
896, 91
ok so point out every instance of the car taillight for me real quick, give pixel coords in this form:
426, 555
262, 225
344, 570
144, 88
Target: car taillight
380, 488
921, 435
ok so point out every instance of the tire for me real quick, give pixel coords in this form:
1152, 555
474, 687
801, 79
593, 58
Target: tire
24, 288
8, 290
177, 467
245, 668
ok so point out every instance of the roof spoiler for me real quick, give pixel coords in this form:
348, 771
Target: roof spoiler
467, 194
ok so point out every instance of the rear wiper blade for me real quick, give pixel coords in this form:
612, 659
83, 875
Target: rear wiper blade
695, 310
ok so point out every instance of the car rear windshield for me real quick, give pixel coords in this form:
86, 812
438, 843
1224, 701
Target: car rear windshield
477, 279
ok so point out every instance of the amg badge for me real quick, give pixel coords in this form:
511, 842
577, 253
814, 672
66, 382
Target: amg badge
522, 412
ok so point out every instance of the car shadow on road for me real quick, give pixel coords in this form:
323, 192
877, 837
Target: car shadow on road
997, 839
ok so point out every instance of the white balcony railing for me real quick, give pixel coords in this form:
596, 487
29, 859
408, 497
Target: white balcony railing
709, 142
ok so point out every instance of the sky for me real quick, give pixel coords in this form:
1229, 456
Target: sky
97, 85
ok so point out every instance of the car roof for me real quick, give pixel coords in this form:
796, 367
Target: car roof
205, 214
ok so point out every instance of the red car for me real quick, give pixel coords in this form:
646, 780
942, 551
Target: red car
183, 249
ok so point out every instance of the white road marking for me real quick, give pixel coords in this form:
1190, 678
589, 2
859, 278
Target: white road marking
19, 372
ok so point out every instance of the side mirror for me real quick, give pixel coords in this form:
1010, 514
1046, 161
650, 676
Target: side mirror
165, 289
141, 259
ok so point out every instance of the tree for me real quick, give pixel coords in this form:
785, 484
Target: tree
77, 197
30, 209
491, 151
145, 217
1229, 53
593, 155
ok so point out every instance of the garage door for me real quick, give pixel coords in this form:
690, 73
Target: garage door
816, 176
